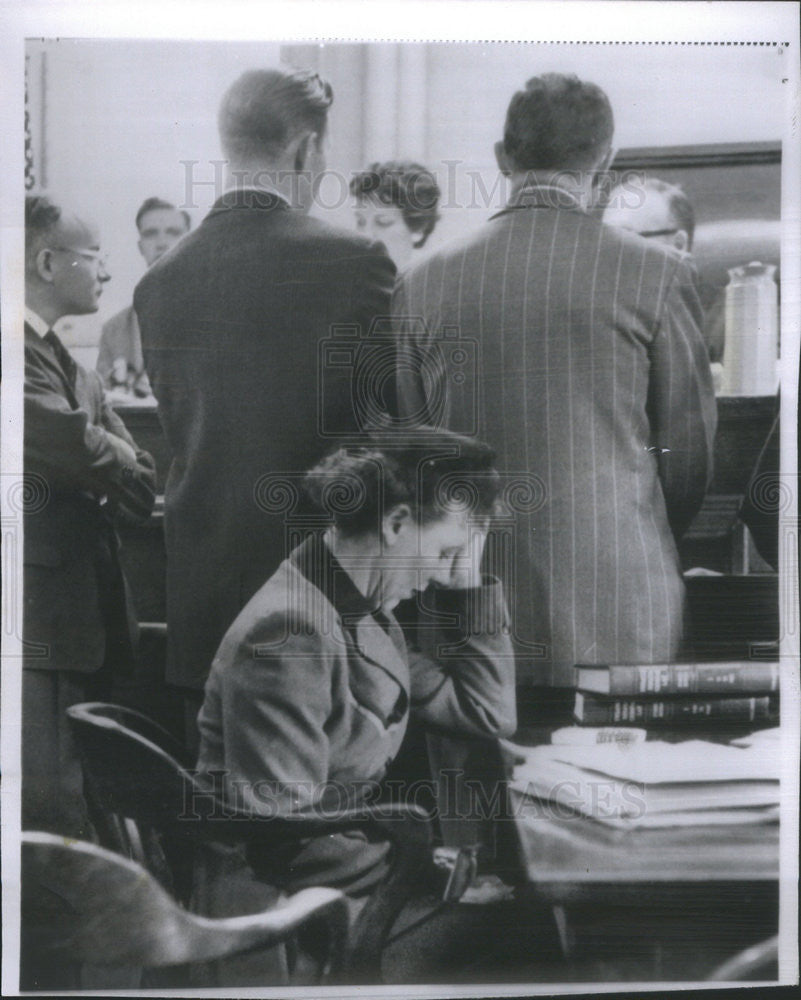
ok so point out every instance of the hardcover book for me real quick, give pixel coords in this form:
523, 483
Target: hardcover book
729, 677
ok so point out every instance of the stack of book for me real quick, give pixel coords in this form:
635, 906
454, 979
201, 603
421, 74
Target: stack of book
733, 693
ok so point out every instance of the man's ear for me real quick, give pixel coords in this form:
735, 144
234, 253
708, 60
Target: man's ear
606, 160
139, 247
502, 159
305, 146
44, 265
395, 522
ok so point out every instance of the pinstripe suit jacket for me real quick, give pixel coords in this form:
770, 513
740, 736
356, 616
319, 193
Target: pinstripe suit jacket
575, 350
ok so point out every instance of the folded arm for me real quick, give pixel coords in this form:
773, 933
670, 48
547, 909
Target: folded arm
98, 457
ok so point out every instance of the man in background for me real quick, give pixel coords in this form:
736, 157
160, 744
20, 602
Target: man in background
233, 321
83, 469
591, 382
119, 361
655, 210
662, 212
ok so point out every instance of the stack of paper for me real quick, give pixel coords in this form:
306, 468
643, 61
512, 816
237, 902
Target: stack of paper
654, 783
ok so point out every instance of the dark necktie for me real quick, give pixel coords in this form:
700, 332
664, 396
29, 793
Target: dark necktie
65, 359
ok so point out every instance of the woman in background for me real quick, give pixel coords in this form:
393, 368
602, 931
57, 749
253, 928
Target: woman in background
396, 203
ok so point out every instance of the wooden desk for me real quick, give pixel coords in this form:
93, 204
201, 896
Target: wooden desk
565, 851
648, 905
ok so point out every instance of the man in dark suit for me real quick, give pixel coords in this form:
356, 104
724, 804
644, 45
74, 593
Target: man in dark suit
591, 374
234, 320
82, 468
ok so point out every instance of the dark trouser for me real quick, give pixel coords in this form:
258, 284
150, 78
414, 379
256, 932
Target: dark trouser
192, 700
52, 783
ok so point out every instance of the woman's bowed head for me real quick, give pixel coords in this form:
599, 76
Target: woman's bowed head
396, 203
408, 514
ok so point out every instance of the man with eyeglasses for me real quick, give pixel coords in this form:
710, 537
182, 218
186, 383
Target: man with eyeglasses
662, 213
82, 470
656, 210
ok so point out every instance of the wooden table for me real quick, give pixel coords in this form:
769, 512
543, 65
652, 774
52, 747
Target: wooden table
649, 904
559, 850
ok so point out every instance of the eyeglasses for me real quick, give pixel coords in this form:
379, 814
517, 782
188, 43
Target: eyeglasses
658, 232
100, 259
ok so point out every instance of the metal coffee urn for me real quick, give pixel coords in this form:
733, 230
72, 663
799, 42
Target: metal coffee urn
752, 319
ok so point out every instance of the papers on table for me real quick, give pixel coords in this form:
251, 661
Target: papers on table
766, 738
654, 783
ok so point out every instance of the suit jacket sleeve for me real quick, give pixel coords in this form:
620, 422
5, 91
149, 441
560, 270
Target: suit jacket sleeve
420, 368
105, 356
681, 403
278, 693
135, 496
100, 457
275, 702
373, 392
462, 669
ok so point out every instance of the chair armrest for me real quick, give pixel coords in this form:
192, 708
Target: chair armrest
214, 820
208, 816
82, 903
156, 629
759, 959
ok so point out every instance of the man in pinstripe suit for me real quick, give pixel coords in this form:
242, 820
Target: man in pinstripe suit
591, 374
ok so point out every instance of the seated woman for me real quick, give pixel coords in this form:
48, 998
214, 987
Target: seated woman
311, 689
396, 203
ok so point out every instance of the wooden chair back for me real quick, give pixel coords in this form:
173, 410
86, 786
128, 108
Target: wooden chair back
84, 904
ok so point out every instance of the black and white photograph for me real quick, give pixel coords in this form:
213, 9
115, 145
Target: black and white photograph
400, 548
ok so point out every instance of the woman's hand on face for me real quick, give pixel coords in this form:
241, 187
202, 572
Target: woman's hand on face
466, 566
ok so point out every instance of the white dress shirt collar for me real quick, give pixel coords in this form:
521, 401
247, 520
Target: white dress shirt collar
262, 188
36, 323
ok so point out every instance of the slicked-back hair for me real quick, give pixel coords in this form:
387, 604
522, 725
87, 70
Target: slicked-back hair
155, 203
408, 185
558, 122
431, 471
265, 109
42, 216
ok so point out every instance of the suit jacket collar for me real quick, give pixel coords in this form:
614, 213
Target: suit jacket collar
318, 564
379, 641
34, 342
542, 196
259, 198
43, 352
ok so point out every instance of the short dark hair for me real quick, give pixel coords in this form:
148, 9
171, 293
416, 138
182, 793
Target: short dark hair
679, 205
42, 215
265, 109
151, 204
408, 185
430, 470
558, 123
